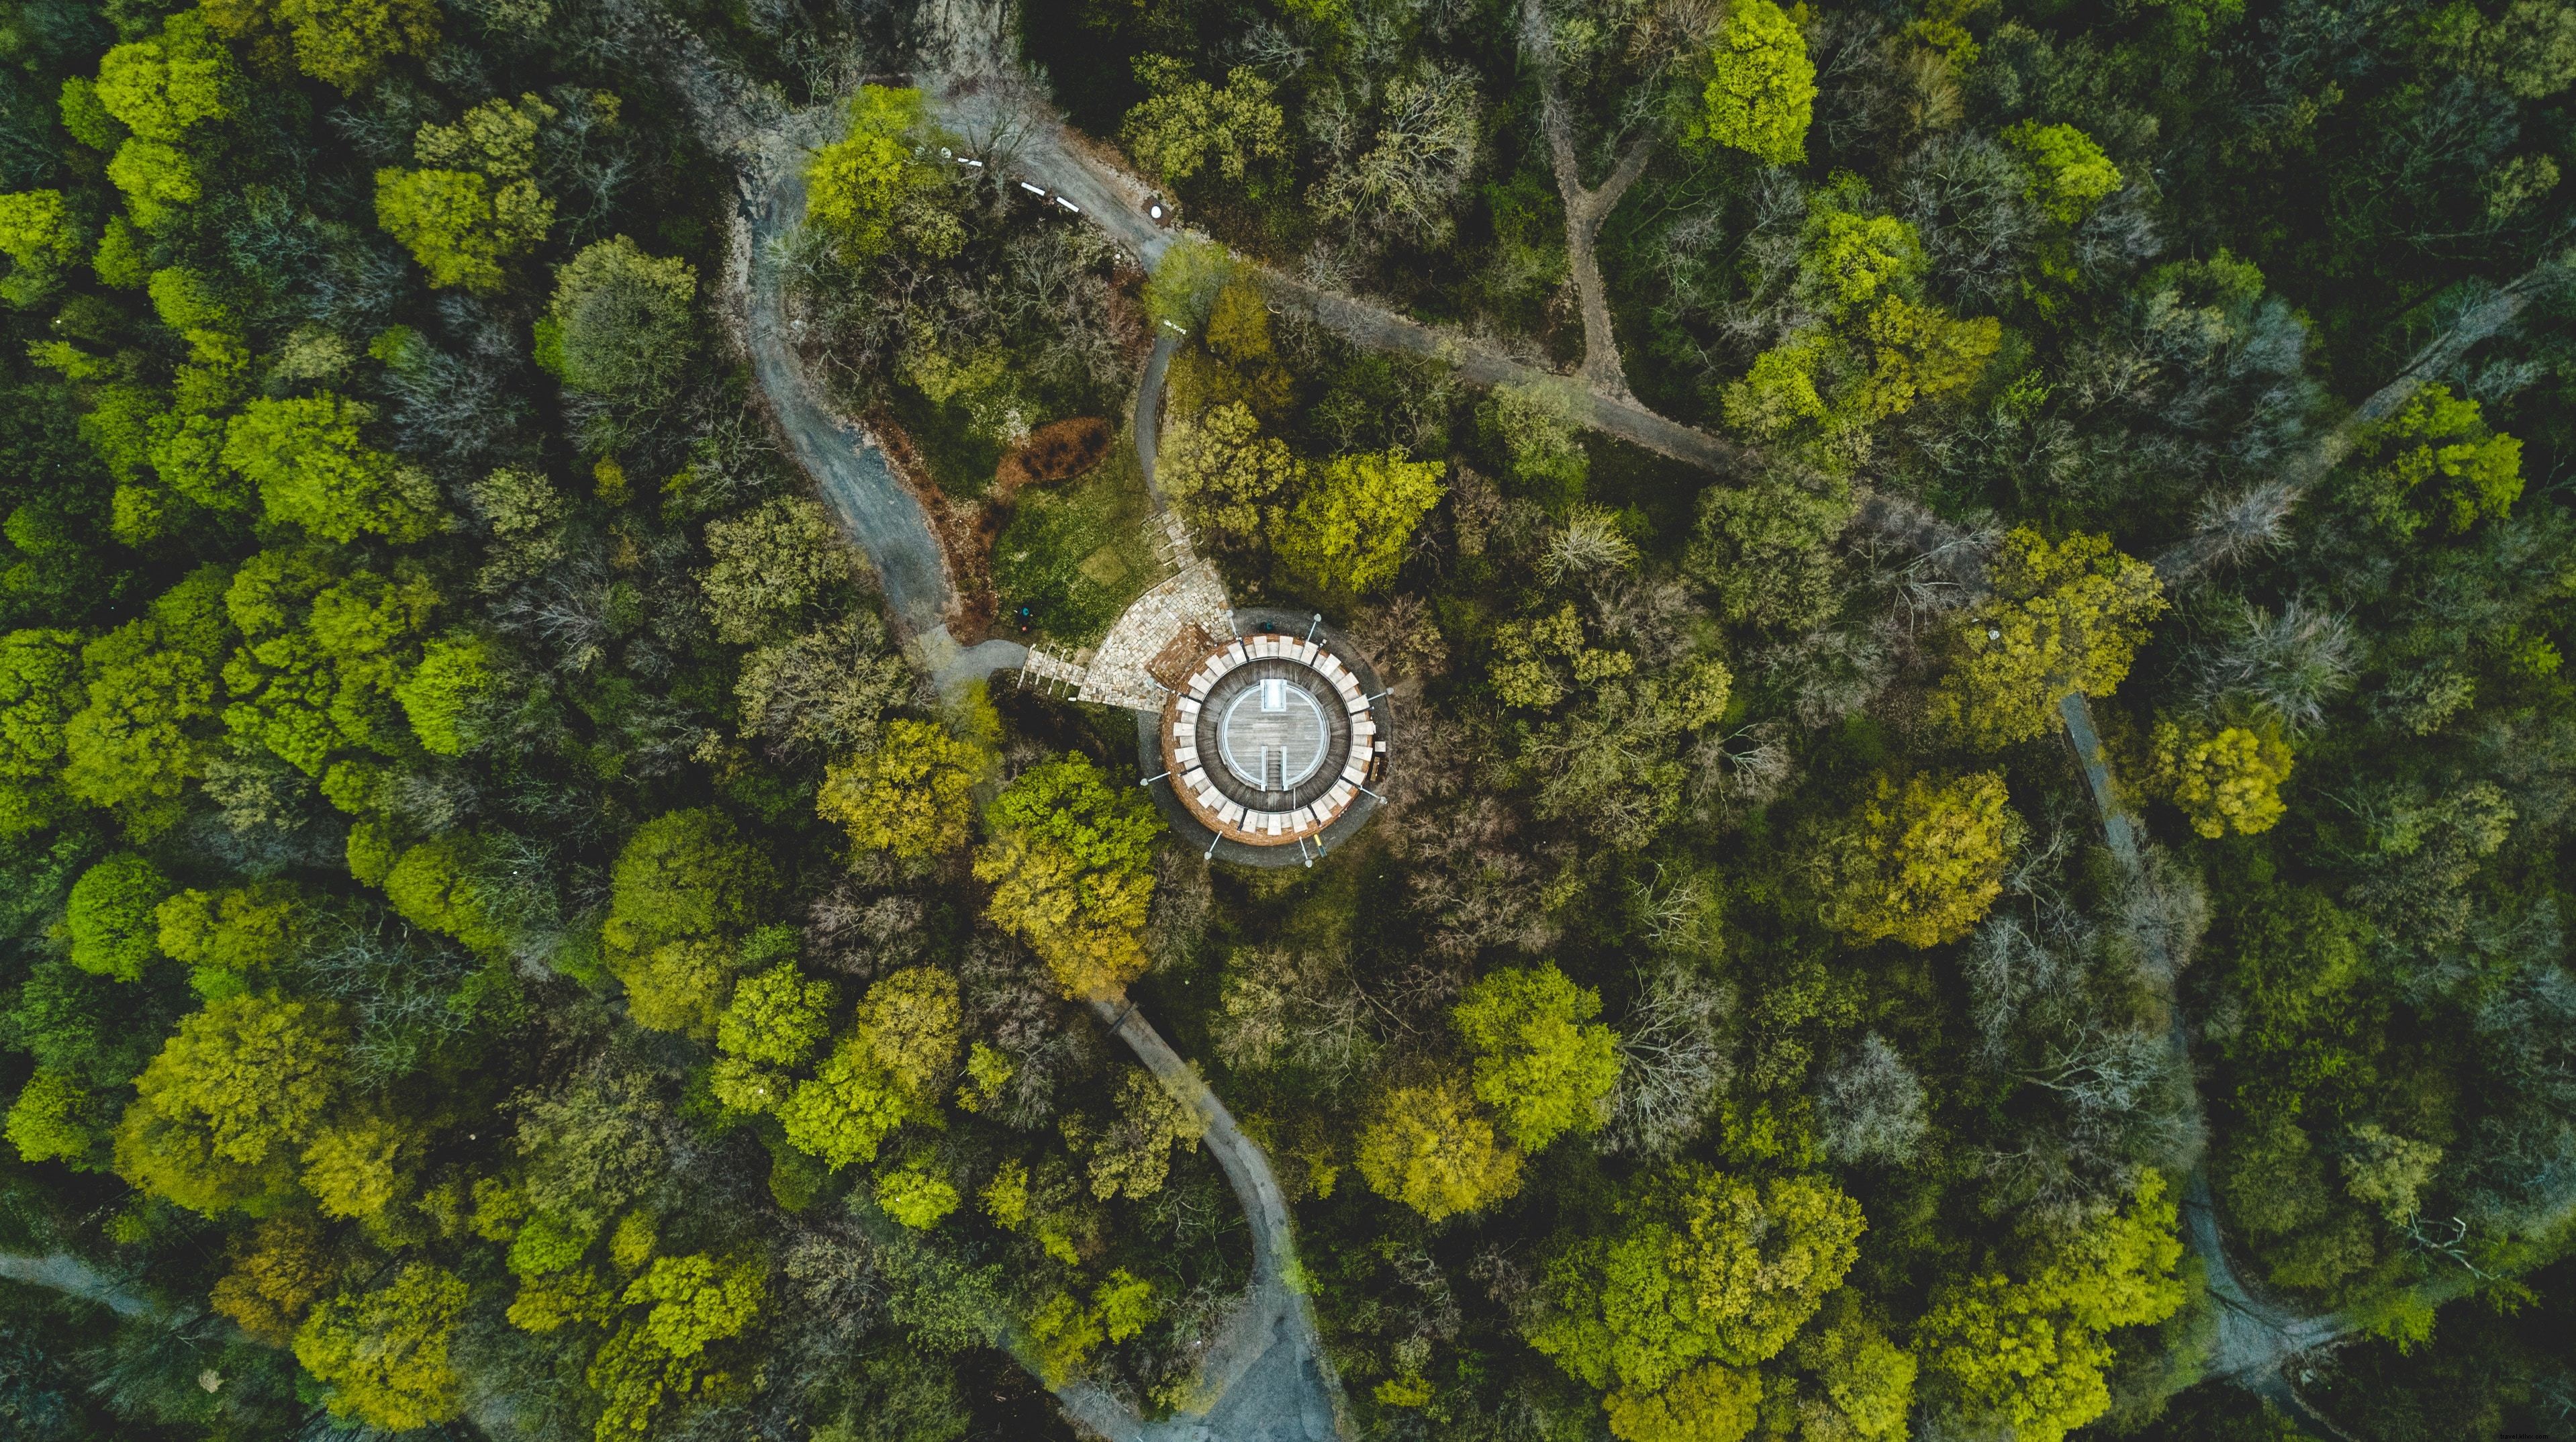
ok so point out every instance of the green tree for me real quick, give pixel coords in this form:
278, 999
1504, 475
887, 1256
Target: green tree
1540, 1061
773, 564
2064, 617
776, 1017
918, 1199
451, 695
40, 691
461, 226
447, 885
314, 471
343, 43
40, 239
1919, 865
2436, 462
231, 936
1541, 429
868, 191
110, 922
235, 1093
1711, 1402
1701, 1267
848, 1108
698, 1300
355, 1170
322, 655
1348, 530
55, 1119
1071, 867
147, 727
2225, 778
1765, 552
2069, 173
162, 89
1132, 1156
619, 324
1429, 1148
384, 1353
1761, 91
2024, 1348
1184, 126
1225, 475
909, 1023
912, 794
685, 874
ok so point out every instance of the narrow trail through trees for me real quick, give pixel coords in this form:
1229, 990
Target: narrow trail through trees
1265, 1377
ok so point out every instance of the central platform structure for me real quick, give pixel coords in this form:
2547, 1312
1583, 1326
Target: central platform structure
1270, 739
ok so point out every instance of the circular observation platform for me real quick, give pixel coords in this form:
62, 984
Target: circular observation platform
1271, 739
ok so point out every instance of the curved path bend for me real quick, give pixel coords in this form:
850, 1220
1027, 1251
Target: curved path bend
1265, 1377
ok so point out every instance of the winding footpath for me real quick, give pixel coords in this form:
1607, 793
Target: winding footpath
1264, 1377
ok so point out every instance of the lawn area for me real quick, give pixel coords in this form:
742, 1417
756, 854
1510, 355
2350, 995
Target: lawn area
1076, 553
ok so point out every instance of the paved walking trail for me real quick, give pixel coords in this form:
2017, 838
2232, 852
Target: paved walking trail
1265, 1377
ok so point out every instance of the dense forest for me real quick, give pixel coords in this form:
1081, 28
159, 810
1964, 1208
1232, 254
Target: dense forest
1972, 597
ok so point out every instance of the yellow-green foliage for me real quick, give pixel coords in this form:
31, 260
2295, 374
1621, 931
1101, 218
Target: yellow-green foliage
870, 193
698, 1300
1539, 1060
459, 225
1224, 474
2064, 617
2069, 172
162, 89
54, 1119
1071, 865
776, 1018
384, 1354
685, 887
1537, 657
918, 1199
343, 43
1348, 530
1919, 865
449, 693
322, 655
234, 1094
38, 236
1761, 91
2435, 462
846, 1108
1429, 1148
912, 794
2024, 1347
40, 689
109, 921
230, 936
1185, 126
147, 727
1132, 1157
1700, 1267
2225, 778
1711, 1402
897, 1059
1878, 346
354, 1170
314, 470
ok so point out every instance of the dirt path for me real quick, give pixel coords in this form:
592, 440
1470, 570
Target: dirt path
1266, 1378
65, 1273
1017, 130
